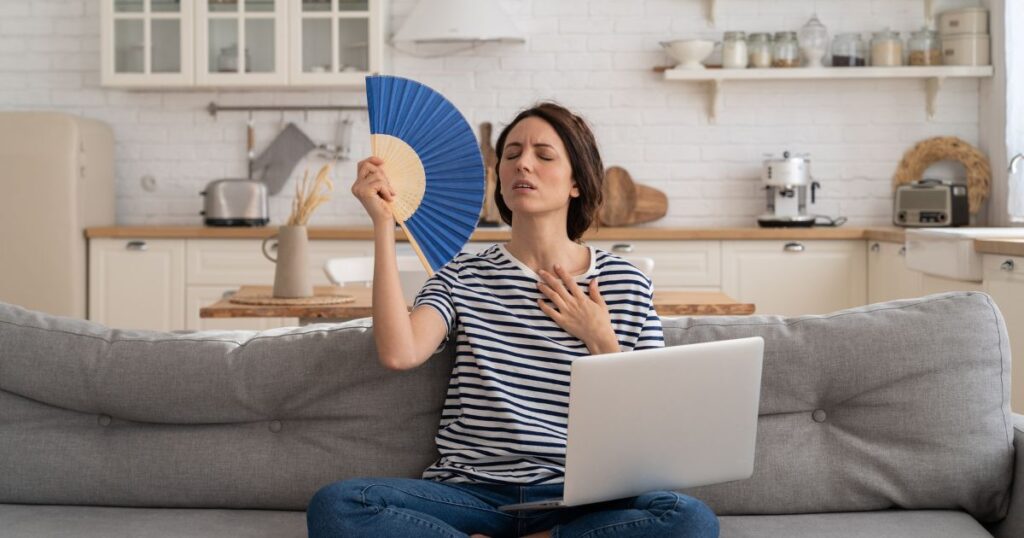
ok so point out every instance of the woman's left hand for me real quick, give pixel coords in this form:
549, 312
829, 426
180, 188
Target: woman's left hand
585, 317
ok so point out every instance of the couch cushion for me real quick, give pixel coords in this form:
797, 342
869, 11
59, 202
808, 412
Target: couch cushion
90, 415
28, 521
902, 404
887, 524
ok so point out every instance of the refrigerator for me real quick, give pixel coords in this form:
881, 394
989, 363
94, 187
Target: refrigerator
56, 179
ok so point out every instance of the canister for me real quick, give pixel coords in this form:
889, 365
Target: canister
968, 20
965, 49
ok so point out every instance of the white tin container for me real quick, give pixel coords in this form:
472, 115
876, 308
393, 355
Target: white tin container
968, 20
965, 49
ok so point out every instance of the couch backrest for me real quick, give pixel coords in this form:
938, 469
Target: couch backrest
901, 404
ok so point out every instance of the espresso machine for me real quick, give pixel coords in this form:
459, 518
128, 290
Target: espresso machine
787, 183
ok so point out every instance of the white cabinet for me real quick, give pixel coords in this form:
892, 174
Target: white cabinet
888, 276
241, 43
137, 284
1004, 281
335, 42
795, 277
678, 265
146, 43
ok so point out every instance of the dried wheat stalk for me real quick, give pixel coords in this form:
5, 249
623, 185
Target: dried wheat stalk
309, 196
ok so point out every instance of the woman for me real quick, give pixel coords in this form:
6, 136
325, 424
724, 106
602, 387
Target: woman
520, 313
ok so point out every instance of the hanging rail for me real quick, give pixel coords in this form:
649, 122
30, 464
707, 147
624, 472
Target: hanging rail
214, 108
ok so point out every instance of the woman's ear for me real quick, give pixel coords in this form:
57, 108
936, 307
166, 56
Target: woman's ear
574, 192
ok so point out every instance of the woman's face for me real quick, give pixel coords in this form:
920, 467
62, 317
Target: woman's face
535, 173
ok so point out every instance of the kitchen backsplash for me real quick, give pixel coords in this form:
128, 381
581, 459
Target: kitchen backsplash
594, 56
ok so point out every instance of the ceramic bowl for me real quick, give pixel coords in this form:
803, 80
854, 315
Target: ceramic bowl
689, 52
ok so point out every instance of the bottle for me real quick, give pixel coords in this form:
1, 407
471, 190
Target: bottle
785, 52
734, 50
759, 49
886, 49
814, 42
924, 48
849, 50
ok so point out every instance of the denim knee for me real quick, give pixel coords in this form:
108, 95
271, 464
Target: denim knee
337, 498
684, 515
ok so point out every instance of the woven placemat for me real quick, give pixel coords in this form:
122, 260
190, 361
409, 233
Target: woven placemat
318, 300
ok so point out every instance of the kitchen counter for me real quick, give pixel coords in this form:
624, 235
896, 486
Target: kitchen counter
1002, 247
500, 234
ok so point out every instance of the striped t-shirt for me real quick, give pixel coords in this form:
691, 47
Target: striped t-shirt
505, 415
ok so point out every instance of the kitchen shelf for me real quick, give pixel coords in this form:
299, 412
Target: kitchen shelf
711, 10
934, 77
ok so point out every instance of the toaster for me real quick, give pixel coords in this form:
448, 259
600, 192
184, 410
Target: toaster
235, 202
931, 203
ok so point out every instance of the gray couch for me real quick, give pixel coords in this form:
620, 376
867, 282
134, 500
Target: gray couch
885, 420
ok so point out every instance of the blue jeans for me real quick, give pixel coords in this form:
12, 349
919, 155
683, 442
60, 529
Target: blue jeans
404, 507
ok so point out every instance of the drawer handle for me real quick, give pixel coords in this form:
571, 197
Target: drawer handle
622, 248
875, 247
902, 251
138, 246
794, 247
1008, 265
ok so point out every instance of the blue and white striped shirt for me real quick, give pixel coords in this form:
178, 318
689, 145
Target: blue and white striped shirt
505, 415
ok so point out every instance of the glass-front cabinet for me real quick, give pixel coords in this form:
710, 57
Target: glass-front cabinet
147, 43
241, 42
230, 43
335, 42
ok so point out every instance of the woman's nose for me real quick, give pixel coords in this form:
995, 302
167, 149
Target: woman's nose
523, 163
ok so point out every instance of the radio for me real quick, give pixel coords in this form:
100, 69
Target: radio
931, 202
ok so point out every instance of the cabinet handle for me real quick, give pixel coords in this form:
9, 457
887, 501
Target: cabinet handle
902, 251
875, 247
793, 247
1008, 265
622, 248
137, 246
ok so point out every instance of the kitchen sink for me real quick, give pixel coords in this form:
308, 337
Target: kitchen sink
949, 252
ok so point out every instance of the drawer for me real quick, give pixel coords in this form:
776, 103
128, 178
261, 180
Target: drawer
688, 265
236, 262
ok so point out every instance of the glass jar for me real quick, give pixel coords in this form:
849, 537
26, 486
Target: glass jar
924, 48
849, 50
785, 51
814, 42
886, 49
759, 48
734, 50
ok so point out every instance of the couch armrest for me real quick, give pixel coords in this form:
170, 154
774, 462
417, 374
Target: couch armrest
1013, 525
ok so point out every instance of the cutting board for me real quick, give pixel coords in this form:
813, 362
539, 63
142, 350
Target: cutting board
627, 202
489, 214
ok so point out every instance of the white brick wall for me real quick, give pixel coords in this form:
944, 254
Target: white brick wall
594, 56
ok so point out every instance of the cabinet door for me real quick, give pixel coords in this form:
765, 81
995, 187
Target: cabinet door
678, 265
137, 284
1004, 281
795, 277
335, 42
888, 276
241, 42
146, 43
237, 262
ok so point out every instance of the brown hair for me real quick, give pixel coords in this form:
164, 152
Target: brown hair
585, 159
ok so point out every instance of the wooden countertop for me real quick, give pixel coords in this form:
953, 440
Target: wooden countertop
1002, 247
667, 303
485, 234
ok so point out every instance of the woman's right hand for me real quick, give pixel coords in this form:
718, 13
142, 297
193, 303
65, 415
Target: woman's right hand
373, 190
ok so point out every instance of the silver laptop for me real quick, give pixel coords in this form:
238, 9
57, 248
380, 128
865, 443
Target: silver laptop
659, 419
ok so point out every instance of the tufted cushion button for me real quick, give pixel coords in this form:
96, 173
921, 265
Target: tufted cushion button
104, 420
819, 415
275, 426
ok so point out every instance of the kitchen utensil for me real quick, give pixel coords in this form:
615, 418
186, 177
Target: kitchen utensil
651, 205
250, 143
235, 202
433, 161
620, 194
490, 215
341, 148
930, 203
274, 166
689, 52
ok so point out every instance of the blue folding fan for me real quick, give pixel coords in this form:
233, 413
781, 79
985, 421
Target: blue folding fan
433, 162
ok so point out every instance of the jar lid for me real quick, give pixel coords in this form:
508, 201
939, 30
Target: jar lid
887, 33
757, 36
735, 35
785, 35
924, 32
